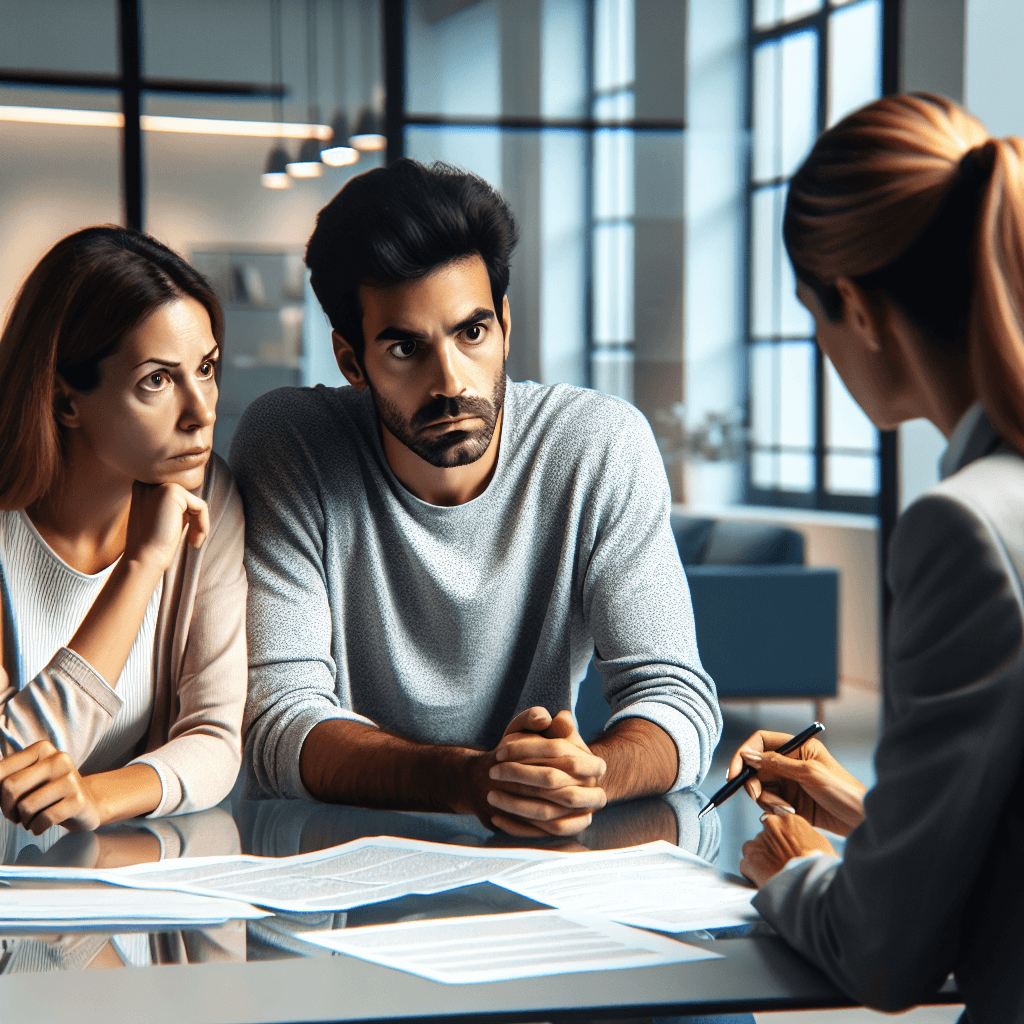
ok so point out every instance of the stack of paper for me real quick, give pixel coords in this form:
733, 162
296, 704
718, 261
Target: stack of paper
656, 886
113, 908
359, 873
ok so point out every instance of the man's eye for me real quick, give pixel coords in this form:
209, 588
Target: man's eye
403, 349
474, 333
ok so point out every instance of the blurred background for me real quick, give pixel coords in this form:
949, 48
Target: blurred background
644, 146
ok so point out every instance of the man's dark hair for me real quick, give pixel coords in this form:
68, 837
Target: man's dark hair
400, 223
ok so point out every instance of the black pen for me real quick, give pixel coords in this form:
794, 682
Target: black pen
734, 784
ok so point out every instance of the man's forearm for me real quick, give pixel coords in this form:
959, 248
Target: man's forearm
641, 757
352, 763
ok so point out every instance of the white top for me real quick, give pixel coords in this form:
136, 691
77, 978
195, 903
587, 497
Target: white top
48, 601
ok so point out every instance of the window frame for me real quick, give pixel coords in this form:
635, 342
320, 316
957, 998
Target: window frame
818, 497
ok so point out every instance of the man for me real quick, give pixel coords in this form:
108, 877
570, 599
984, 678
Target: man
435, 552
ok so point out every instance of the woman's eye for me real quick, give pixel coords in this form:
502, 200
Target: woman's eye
474, 333
155, 381
206, 370
404, 349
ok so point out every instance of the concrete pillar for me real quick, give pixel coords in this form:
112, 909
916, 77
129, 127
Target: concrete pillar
659, 261
931, 60
519, 35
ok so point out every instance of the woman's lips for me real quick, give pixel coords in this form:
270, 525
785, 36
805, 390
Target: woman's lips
191, 457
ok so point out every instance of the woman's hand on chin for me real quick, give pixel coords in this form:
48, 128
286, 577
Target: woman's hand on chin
40, 786
785, 836
159, 514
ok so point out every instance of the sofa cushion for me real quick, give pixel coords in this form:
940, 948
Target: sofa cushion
692, 534
732, 543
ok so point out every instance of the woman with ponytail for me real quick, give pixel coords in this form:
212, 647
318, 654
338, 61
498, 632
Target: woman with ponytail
905, 227
122, 593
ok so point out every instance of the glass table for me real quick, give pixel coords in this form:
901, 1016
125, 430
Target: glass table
262, 971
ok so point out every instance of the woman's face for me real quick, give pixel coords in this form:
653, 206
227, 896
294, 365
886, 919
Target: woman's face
151, 416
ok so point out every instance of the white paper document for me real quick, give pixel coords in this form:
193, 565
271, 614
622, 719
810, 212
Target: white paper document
501, 947
655, 886
361, 872
113, 907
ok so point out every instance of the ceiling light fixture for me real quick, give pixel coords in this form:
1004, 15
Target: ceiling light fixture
276, 173
336, 153
165, 123
369, 132
309, 164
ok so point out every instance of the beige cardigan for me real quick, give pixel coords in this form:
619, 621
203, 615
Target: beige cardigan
199, 663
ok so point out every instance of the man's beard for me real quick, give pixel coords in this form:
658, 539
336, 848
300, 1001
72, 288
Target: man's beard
452, 447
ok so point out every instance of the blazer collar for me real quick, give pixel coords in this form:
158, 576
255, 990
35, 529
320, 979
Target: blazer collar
973, 437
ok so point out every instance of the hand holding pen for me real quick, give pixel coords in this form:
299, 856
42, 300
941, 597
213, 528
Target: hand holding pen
737, 778
808, 780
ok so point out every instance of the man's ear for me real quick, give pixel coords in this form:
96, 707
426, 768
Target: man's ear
65, 405
506, 322
348, 362
860, 314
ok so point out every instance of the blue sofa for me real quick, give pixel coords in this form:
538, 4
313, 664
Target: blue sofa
767, 625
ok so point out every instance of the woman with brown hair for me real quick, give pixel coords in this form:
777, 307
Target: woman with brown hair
905, 227
122, 639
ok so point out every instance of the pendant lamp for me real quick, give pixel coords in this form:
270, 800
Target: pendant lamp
275, 174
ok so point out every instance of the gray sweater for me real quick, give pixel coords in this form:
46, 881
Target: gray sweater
438, 623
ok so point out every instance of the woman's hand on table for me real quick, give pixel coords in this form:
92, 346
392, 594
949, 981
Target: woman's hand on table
41, 787
809, 781
784, 837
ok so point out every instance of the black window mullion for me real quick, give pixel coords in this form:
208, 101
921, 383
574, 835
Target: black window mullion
824, 88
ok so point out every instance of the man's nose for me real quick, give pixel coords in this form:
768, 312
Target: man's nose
448, 381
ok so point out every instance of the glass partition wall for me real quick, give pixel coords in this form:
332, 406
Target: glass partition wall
220, 87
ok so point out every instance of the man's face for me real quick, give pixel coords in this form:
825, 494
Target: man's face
435, 362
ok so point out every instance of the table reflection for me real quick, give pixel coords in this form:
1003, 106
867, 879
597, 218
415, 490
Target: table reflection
280, 828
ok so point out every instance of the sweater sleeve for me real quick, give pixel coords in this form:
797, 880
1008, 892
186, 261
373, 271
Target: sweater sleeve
292, 673
67, 703
884, 923
636, 603
199, 762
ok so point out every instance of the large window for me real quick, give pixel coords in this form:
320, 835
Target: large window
809, 445
550, 104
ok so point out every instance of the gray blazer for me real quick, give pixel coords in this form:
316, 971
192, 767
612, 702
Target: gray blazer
933, 880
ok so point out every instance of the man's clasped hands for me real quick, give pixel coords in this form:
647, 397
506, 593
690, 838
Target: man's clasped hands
549, 782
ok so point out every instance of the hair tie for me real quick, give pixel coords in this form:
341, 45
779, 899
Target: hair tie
976, 164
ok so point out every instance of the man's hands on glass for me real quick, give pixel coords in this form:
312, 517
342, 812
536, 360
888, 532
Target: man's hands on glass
799, 792
541, 779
